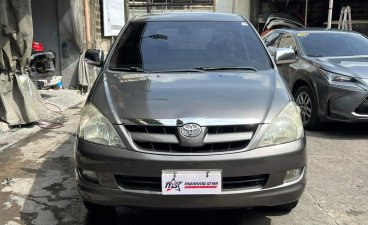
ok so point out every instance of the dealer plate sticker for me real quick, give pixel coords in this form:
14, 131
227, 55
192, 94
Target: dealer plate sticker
179, 182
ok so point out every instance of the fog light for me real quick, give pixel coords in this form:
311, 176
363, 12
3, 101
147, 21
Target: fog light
88, 174
293, 174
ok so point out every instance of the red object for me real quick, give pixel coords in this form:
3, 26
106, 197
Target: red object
265, 32
37, 46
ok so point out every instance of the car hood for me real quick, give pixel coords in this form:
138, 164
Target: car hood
355, 66
245, 97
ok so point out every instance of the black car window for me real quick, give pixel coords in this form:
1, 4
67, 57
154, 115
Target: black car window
272, 39
332, 44
287, 41
160, 46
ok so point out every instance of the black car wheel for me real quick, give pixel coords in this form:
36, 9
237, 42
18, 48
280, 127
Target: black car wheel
305, 99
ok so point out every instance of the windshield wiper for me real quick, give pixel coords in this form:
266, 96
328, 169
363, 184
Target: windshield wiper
209, 68
178, 70
130, 69
316, 55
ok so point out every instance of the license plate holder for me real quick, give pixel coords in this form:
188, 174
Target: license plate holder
191, 182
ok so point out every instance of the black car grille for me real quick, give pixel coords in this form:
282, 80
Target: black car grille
154, 183
165, 138
151, 129
218, 147
173, 129
363, 107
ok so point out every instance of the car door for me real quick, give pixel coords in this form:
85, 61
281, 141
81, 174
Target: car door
287, 70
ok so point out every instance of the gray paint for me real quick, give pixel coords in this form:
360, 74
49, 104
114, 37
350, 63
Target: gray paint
274, 161
340, 99
203, 98
243, 95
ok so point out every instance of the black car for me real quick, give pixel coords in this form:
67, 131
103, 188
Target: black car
328, 75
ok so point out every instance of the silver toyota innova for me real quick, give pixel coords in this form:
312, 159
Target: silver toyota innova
189, 111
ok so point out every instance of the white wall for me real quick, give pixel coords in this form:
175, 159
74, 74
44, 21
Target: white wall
241, 7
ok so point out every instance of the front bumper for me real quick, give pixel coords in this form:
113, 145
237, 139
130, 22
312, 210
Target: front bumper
341, 102
273, 161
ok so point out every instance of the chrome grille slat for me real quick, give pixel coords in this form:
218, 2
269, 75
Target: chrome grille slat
158, 138
218, 138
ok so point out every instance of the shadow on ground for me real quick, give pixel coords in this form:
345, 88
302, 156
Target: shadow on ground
341, 131
133, 216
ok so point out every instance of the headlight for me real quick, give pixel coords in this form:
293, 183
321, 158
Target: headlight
334, 77
94, 127
287, 126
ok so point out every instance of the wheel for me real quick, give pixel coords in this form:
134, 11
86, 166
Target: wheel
306, 100
286, 207
98, 208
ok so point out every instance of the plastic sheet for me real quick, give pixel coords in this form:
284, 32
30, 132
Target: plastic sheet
20, 102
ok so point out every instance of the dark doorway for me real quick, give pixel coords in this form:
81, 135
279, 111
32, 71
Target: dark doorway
46, 27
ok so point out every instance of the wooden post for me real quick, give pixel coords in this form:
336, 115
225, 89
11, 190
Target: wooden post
87, 21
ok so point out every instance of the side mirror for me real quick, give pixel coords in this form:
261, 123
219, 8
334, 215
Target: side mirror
284, 55
94, 57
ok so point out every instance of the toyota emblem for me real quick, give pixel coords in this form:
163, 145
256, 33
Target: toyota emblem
191, 130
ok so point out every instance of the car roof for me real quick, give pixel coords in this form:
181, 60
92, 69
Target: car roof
193, 16
313, 30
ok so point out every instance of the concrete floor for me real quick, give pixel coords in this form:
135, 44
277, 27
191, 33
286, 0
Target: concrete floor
37, 184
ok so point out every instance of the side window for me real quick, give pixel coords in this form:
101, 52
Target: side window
287, 41
272, 39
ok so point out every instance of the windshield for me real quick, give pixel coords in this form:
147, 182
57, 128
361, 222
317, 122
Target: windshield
165, 46
333, 44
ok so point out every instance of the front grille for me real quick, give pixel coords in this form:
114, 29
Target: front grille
166, 139
218, 147
152, 129
363, 107
230, 129
154, 183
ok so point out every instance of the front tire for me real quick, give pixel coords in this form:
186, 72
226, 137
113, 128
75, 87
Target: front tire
305, 99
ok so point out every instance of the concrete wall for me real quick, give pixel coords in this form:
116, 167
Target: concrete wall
97, 38
70, 52
53, 28
240, 7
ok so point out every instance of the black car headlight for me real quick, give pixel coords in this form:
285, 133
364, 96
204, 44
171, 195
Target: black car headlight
95, 127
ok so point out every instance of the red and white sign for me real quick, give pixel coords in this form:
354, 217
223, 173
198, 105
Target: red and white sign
185, 182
